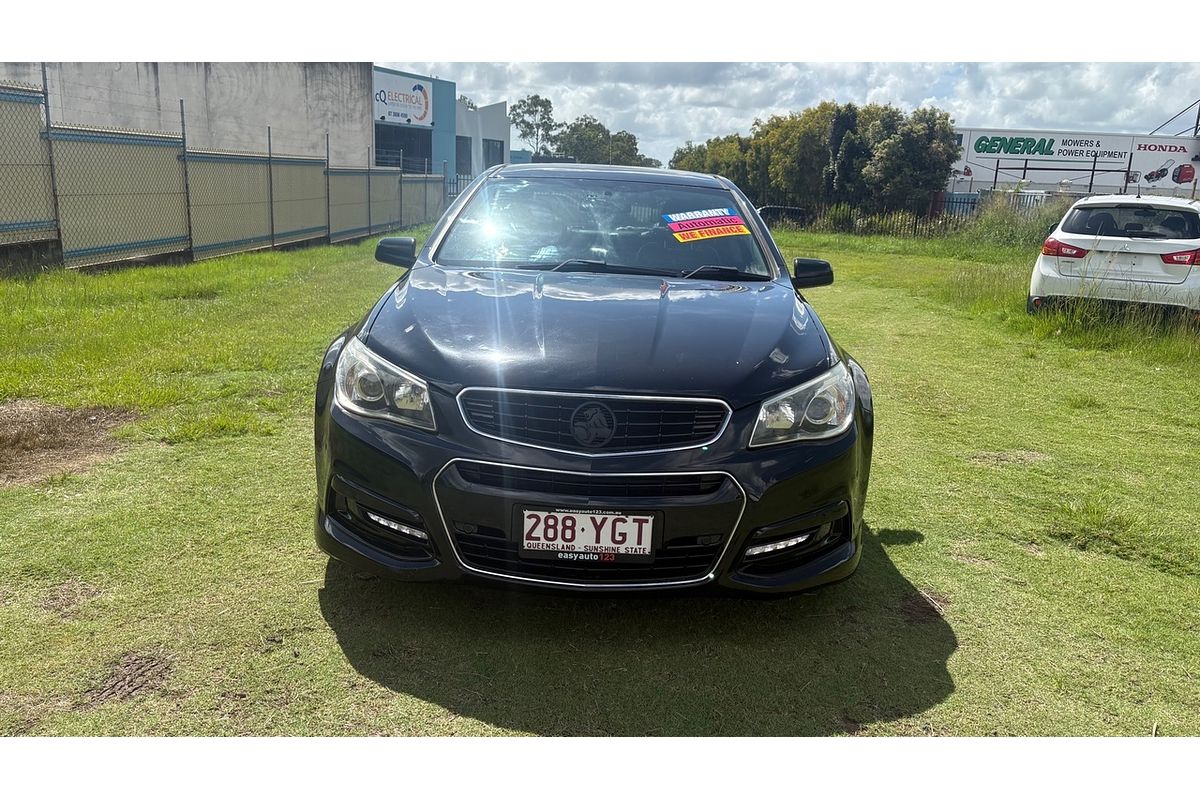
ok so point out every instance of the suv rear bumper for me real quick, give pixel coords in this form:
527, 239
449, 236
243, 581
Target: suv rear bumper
1047, 282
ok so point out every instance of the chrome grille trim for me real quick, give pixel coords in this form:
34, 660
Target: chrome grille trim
595, 396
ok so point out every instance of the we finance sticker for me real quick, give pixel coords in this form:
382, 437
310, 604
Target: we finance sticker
693, 226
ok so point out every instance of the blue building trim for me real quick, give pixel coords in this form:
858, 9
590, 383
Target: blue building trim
364, 229
251, 158
302, 232
170, 241
203, 248
61, 135
225, 158
30, 225
12, 95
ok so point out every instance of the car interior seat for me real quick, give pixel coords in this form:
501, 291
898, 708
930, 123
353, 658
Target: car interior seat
1175, 226
1102, 224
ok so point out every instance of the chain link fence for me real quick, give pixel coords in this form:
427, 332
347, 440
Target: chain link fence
105, 195
27, 211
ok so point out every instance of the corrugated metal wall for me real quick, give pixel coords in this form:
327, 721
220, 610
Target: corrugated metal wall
133, 194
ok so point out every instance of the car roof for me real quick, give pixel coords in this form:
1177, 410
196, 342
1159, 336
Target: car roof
610, 172
1146, 199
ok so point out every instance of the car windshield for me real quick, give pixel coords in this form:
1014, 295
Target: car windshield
1133, 221
603, 226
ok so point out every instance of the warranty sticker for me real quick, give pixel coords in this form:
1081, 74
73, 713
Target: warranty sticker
710, 212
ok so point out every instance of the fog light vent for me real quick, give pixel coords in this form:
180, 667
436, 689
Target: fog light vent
397, 526
782, 544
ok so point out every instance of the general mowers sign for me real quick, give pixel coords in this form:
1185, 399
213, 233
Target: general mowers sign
1162, 160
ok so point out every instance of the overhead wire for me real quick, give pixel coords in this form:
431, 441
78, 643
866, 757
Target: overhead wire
1177, 116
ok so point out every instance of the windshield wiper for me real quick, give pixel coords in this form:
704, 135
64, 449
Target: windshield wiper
729, 273
592, 264
587, 262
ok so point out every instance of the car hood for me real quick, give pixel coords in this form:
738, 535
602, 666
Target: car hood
573, 331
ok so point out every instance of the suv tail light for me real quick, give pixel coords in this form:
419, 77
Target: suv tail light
1187, 257
1053, 247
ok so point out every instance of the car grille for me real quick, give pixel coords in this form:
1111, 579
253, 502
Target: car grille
497, 554
595, 486
628, 425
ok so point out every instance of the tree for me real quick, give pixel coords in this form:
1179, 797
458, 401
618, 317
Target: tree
796, 149
915, 161
874, 154
468, 102
690, 157
589, 141
533, 117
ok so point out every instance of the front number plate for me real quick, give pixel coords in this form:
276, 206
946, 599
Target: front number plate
586, 536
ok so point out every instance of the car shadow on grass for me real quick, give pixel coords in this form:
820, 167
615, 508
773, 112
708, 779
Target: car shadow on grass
871, 649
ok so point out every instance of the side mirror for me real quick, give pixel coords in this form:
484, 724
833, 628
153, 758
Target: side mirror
808, 272
400, 251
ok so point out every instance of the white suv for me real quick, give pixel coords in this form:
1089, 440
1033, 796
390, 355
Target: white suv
1124, 248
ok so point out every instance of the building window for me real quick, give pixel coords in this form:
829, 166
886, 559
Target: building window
462, 155
415, 145
493, 152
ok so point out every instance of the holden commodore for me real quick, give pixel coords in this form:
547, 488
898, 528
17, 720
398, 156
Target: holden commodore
597, 379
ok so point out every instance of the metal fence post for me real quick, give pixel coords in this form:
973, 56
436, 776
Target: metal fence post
1092, 177
328, 197
50, 155
270, 185
187, 190
445, 186
369, 218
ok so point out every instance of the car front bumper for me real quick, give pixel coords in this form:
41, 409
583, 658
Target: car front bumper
465, 491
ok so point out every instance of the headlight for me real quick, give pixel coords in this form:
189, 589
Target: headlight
821, 408
368, 385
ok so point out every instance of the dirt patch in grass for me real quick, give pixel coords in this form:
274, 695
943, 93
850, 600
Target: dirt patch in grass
926, 605
970, 558
1008, 457
39, 440
131, 675
66, 598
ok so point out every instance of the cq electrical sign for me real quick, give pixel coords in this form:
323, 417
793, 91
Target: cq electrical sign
1162, 161
403, 100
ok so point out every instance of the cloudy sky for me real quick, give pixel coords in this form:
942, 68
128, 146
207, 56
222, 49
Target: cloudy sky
666, 104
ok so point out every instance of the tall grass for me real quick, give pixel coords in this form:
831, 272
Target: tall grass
999, 222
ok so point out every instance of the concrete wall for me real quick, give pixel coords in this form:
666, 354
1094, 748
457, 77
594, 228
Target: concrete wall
228, 105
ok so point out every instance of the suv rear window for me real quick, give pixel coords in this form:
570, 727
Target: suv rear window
1133, 221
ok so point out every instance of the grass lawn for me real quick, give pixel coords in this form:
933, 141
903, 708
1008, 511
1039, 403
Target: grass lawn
1033, 565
